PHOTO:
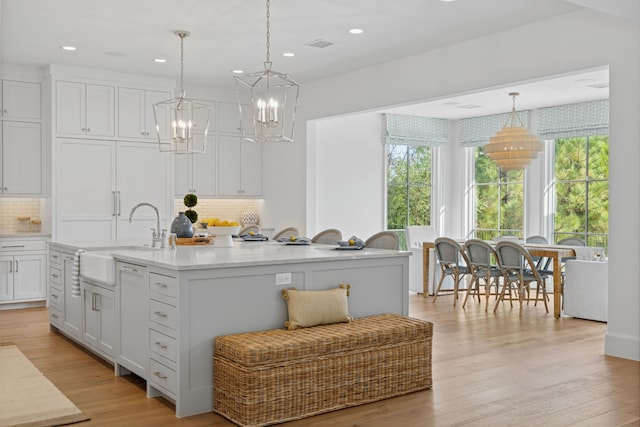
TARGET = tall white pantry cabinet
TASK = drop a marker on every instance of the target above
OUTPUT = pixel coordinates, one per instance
(105, 156)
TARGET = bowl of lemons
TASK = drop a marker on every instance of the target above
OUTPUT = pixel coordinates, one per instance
(222, 229)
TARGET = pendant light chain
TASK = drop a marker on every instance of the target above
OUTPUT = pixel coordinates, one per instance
(182, 35)
(267, 64)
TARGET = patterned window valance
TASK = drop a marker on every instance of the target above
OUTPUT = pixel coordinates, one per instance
(571, 120)
(414, 130)
(476, 131)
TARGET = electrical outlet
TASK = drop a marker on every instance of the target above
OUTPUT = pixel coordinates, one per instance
(283, 279)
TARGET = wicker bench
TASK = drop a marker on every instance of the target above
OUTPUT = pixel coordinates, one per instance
(269, 377)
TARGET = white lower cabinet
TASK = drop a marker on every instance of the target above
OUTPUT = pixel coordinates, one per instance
(72, 315)
(133, 330)
(163, 346)
(22, 271)
(99, 324)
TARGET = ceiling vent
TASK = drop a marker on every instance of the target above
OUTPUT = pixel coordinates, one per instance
(599, 85)
(319, 43)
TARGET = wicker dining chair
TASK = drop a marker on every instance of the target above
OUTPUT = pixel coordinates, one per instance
(453, 262)
(480, 255)
(383, 240)
(286, 232)
(330, 236)
(519, 271)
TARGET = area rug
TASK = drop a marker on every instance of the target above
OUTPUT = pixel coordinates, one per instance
(28, 398)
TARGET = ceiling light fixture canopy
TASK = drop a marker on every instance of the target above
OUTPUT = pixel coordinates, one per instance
(513, 147)
(188, 119)
(267, 101)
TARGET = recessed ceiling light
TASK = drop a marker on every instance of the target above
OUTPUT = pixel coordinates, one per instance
(288, 54)
(470, 106)
(451, 103)
(584, 80)
(237, 71)
(68, 48)
(447, 1)
(160, 60)
(356, 31)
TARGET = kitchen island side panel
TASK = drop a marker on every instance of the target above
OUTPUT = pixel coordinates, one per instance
(224, 301)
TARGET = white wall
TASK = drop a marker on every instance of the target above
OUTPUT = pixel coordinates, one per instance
(560, 45)
(349, 173)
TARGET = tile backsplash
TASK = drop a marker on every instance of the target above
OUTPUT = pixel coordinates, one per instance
(11, 208)
(229, 209)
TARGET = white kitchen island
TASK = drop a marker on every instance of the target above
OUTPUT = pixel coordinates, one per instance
(172, 304)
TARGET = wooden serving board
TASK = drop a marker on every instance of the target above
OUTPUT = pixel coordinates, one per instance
(183, 241)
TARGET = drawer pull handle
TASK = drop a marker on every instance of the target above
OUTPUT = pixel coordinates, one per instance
(54, 296)
(162, 346)
(13, 246)
(160, 314)
(133, 270)
(54, 256)
(55, 316)
(54, 275)
(161, 285)
(160, 375)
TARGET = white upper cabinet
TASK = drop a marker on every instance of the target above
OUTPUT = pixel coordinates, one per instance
(135, 114)
(86, 110)
(99, 182)
(22, 162)
(196, 173)
(239, 167)
(229, 117)
(21, 101)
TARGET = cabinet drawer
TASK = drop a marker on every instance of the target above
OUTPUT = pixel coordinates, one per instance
(163, 314)
(162, 344)
(55, 275)
(55, 317)
(55, 257)
(163, 376)
(22, 245)
(56, 297)
(163, 285)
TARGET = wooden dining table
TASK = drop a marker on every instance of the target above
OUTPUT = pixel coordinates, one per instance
(554, 252)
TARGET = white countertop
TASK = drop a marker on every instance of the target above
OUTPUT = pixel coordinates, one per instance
(244, 254)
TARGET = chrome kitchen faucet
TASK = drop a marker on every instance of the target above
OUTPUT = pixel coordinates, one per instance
(156, 236)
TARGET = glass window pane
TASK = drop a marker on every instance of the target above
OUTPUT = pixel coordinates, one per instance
(397, 206)
(397, 164)
(598, 212)
(419, 205)
(571, 155)
(512, 208)
(485, 169)
(486, 206)
(599, 157)
(419, 165)
(571, 208)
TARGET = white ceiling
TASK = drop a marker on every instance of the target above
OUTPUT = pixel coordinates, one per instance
(126, 35)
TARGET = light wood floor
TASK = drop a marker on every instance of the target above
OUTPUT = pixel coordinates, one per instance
(489, 370)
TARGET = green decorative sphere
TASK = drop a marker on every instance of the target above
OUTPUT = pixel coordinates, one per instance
(192, 215)
(190, 200)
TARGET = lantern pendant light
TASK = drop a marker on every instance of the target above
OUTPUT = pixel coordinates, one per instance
(182, 124)
(513, 147)
(267, 101)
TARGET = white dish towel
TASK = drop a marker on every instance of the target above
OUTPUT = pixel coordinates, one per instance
(75, 274)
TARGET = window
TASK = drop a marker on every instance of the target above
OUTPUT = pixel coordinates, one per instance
(498, 199)
(581, 187)
(408, 187)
